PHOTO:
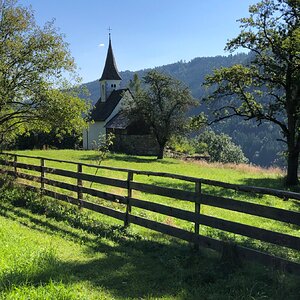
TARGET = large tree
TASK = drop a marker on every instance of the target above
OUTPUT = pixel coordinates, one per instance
(267, 89)
(162, 104)
(33, 64)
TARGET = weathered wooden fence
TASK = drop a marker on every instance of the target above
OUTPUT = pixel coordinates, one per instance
(38, 178)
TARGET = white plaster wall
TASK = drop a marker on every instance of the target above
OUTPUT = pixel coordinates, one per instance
(94, 130)
(108, 88)
(91, 136)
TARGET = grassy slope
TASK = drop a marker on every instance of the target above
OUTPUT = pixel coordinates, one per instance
(232, 174)
(93, 267)
(251, 176)
(41, 258)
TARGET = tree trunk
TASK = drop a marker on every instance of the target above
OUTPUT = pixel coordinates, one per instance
(292, 170)
(160, 154)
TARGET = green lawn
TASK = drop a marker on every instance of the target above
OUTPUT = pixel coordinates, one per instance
(42, 258)
(58, 254)
(254, 176)
(231, 174)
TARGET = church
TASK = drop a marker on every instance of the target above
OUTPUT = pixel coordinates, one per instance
(131, 137)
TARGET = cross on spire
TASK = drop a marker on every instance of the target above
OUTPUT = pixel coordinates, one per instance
(109, 31)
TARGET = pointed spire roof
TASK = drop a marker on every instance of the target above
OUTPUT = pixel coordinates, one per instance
(110, 71)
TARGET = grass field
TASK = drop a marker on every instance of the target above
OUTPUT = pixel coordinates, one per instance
(47, 258)
(42, 257)
(241, 174)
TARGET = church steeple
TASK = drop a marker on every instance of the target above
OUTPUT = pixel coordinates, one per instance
(110, 71)
(110, 79)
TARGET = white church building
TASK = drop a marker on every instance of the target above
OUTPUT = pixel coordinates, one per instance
(109, 104)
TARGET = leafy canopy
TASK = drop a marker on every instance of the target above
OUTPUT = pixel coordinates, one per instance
(268, 88)
(162, 105)
(220, 148)
(34, 62)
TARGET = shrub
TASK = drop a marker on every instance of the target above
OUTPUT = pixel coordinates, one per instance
(220, 148)
(182, 145)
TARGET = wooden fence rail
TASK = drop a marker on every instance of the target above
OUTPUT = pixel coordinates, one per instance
(45, 179)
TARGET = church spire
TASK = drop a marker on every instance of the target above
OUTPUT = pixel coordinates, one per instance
(110, 71)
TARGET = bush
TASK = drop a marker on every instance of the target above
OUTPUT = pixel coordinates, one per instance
(220, 148)
(182, 145)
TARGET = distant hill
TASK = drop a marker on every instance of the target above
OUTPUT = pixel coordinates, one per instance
(192, 73)
(258, 143)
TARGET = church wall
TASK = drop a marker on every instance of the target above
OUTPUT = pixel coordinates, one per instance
(91, 135)
(96, 129)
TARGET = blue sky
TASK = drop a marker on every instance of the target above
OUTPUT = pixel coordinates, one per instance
(145, 33)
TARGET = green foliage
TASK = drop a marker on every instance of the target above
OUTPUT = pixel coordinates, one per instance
(33, 92)
(220, 148)
(267, 89)
(162, 105)
(103, 146)
(135, 85)
(182, 144)
(10, 192)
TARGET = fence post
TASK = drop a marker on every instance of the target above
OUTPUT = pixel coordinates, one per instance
(15, 165)
(129, 195)
(42, 176)
(197, 210)
(79, 186)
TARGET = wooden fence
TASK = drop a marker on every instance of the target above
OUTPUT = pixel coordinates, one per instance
(39, 176)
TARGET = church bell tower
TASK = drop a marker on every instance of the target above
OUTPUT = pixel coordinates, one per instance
(110, 79)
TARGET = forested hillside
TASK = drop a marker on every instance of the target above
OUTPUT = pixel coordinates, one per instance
(258, 143)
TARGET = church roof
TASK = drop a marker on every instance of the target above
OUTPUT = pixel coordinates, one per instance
(133, 126)
(119, 121)
(103, 110)
(110, 71)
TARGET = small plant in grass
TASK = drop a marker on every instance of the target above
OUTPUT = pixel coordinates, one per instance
(102, 147)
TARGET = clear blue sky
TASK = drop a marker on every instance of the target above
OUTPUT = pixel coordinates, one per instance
(145, 33)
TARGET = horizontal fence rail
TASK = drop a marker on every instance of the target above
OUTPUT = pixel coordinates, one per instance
(51, 181)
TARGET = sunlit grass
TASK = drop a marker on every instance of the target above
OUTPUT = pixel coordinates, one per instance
(237, 174)
(43, 258)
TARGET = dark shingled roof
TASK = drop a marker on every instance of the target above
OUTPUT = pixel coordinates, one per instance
(110, 71)
(103, 110)
(135, 126)
(119, 121)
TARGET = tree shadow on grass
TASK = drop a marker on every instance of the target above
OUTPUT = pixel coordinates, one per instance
(272, 183)
(206, 189)
(130, 268)
(134, 267)
(126, 158)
